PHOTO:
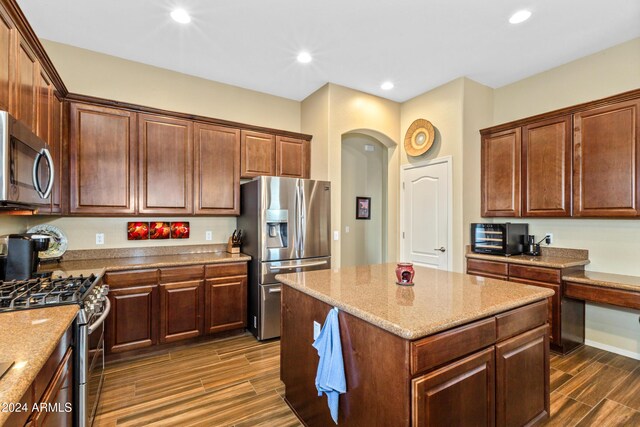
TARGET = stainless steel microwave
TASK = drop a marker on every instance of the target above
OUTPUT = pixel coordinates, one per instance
(27, 167)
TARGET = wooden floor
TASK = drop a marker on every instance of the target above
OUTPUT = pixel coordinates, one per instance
(235, 382)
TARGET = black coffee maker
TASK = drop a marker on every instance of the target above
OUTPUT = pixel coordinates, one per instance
(22, 256)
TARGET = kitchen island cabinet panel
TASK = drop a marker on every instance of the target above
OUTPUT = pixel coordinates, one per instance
(459, 394)
(217, 170)
(102, 156)
(133, 318)
(180, 310)
(60, 393)
(226, 304)
(258, 154)
(546, 168)
(500, 164)
(606, 157)
(522, 381)
(166, 165)
(292, 157)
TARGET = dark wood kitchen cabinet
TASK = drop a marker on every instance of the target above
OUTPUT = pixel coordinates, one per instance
(217, 170)
(59, 393)
(181, 303)
(606, 160)
(500, 173)
(7, 49)
(546, 168)
(166, 165)
(102, 160)
(226, 306)
(57, 125)
(258, 154)
(44, 106)
(26, 77)
(292, 157)
(459, 394)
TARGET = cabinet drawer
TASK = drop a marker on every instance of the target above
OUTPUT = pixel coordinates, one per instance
(541, 274)
(490, 267)
(131, 278)
(181, 274)
(521, 319)
(450, 345)
(51, 365)
(224, 270)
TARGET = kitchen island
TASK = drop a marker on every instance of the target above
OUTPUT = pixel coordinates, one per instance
(454, 349)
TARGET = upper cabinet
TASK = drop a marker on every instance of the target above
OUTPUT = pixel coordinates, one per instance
(166, 165)
(57, 117)
(7, 35)
(546, 168)
(258, 154)
(501, 173)
(102, 160)
(580, 161)
(293, 157)
(606, 160)
(217, 170)
(26, 77)
(44, 106)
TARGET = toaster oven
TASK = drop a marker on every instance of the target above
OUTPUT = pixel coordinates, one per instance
(499, 239)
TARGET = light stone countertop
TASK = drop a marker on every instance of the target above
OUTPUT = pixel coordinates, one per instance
(540, 261)
(605, 280)
(142, 262)
(28, 337)
(438, 301)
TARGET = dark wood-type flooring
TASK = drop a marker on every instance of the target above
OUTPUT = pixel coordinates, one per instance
(236, 382)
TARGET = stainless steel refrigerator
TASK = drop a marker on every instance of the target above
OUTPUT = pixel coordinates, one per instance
(286, 227)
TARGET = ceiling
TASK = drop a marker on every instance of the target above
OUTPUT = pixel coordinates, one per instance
(417, 44)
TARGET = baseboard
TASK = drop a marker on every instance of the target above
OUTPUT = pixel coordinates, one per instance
(613, 349)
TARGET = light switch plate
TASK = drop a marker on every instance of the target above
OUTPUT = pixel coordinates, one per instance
(99, 238)
(336, 235)
(316, 330)
(208, 235)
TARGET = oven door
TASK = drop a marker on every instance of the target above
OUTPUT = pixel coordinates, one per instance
(92, 368)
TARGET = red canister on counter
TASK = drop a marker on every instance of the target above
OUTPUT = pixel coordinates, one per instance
(405, 273)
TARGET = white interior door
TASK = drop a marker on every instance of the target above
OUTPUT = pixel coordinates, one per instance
(426, 214)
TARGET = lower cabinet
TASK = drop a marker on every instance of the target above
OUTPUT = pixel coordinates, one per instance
(133, 318)
(157, 306)
(58, 394)
(180, 310)
(459, 394)
(226, 306)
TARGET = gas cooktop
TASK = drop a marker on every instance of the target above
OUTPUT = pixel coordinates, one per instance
(43, 292)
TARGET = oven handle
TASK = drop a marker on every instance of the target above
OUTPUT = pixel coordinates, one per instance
(105, 313)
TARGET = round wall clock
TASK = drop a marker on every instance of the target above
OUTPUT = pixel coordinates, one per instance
(419, 137)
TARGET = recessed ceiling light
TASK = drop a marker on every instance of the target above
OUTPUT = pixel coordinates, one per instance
(520, 16)
(304, 57)
(386, 86)
(181, 16)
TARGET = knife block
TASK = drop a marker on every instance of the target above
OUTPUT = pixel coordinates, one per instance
(232, 249)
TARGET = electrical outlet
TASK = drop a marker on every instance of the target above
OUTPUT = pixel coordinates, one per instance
(316, 330)
(549, 238)
(208, 235)
(99, 238)
(346, 229)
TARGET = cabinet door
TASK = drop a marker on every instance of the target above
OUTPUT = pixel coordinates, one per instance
(166, 165)
(546, 168)
(44, 105)
(292, 157)
(258, 154)
(225, 304)
(606, 158)
(217, 170)
(55, 146)
(522, 379)
(459, 394)
(180, 310)
(102, 156)
(59, 393)
(554, 306)
(26, 76)
(501, 174)
(7, 50)
(133, 321)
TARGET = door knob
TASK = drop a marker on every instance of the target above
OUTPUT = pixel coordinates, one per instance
(441, 249)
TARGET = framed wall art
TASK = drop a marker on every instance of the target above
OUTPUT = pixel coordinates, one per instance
(363, 207)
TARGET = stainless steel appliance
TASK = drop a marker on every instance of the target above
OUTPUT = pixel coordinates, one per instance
(22, 258)
(90, 294)
(499, 239)
(27, 175)
(286, 224)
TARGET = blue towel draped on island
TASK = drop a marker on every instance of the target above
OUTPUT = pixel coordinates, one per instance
(330, 378)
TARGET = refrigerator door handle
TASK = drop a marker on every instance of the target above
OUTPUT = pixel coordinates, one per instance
(297, 222)
(303, 219)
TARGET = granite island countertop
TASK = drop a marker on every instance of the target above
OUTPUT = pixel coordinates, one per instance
(142, 262)
(438, 301)
(28, 338)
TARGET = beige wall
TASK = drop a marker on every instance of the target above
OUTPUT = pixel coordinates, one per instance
(340, 111)
(363, 174)
(12, 224)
